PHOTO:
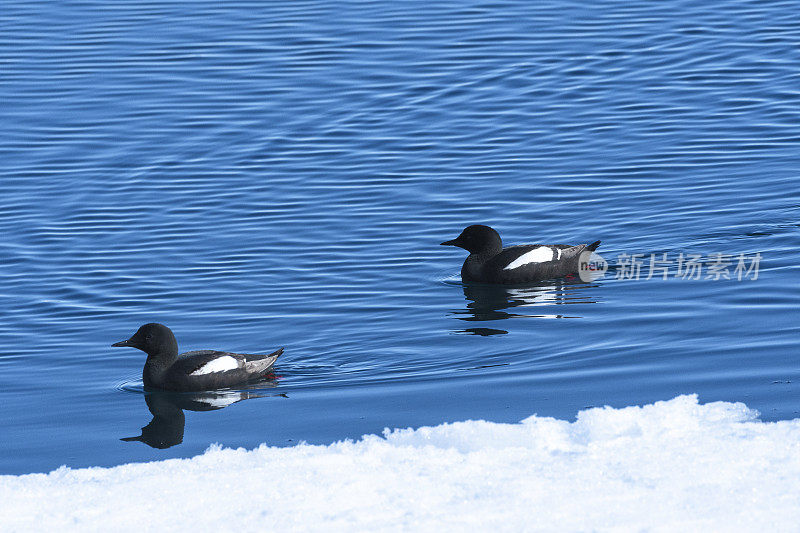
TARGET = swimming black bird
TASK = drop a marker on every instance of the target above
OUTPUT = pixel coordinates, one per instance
(489, 262)
(197, 370)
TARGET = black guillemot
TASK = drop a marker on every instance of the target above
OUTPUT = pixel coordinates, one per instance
(489, 262)
(197, 370)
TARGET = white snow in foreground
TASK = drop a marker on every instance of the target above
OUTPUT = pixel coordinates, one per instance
(671, 466)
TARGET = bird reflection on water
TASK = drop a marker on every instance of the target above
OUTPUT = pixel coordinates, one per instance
(496, 302)
(166, 428)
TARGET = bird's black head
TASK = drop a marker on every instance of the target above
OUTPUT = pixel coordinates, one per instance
(478, 239)
(153, 339)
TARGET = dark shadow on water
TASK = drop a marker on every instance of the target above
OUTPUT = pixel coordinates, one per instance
(166, 428)
(484, 332)
(500, 302)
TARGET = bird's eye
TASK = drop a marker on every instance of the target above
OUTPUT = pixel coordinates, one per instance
(148, 337)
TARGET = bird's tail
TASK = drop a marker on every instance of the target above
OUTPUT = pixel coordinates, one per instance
(276, 353)
(261, 365)
(260, 357)
(592, 247)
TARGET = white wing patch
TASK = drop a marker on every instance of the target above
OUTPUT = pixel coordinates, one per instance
(220, 364)
(537, 255)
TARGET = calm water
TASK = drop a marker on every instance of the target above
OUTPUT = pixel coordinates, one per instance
(260, 174)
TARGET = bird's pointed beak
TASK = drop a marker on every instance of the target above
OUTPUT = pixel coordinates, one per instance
(450, 243)
(132, 439)
(126, 342)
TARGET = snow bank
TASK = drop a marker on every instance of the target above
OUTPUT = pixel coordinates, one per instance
(670, 466)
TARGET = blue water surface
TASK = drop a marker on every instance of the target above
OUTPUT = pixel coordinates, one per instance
(264, 174)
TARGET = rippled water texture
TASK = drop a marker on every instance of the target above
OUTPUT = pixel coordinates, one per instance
(264, 174)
